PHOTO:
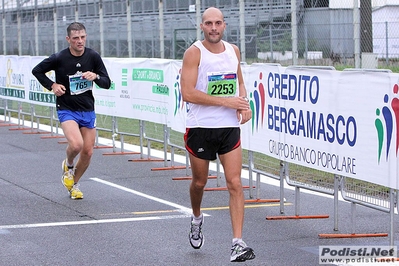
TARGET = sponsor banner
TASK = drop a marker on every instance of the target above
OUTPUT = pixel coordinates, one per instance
(177, 116)
(151, 82)
(36, 93)
(14, 77)
(117, 101)
(341, 122)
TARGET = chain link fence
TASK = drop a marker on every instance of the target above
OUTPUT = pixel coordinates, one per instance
(325, 33)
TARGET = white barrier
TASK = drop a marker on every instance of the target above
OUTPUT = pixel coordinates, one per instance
(344, 123)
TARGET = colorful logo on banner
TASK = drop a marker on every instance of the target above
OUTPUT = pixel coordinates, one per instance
(13, 84)
(257, 103)
(124, 77)
(386, 123)
(179, 104)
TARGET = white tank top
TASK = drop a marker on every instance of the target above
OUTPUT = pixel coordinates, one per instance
(217, 75)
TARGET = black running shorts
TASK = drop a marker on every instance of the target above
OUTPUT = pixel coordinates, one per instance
(205, 143)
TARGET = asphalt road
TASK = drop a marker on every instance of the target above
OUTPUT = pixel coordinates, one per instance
(133, 215)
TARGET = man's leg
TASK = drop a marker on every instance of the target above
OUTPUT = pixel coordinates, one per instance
(199, 169)
(232, 163)
(200, 172)
(88, 136)
(74, 137)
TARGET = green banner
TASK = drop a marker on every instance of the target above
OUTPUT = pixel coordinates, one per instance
(42, 97)
(15, 93)
(160, 89)
(147, 74)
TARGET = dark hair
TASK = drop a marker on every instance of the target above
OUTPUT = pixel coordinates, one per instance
(75, 26)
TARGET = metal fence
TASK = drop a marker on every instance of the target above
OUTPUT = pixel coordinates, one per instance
(301, 32)
(148, 136)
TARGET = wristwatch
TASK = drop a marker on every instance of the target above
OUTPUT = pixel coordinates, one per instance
(98, 77)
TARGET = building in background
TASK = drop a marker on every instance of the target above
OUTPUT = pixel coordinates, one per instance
(386, 31)
(123, 28)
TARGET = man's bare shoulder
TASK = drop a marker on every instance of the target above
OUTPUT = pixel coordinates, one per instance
(236, 50)
(192, 56)
(235, 47)
(192, 51)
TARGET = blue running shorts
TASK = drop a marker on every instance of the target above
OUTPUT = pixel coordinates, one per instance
(83, 119)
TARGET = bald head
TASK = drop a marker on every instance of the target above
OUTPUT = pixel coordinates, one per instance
(212, 12)
(213, 25)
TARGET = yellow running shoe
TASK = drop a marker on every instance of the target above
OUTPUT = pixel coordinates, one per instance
(75, 192)
(67, 176)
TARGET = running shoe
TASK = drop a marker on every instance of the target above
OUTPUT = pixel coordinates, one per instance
(241, 252)
(75, 192)
(67, 176)
(196, 238)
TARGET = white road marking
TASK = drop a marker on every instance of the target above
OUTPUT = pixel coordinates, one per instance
(17, 226)
(186, 212)
(174, 205)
